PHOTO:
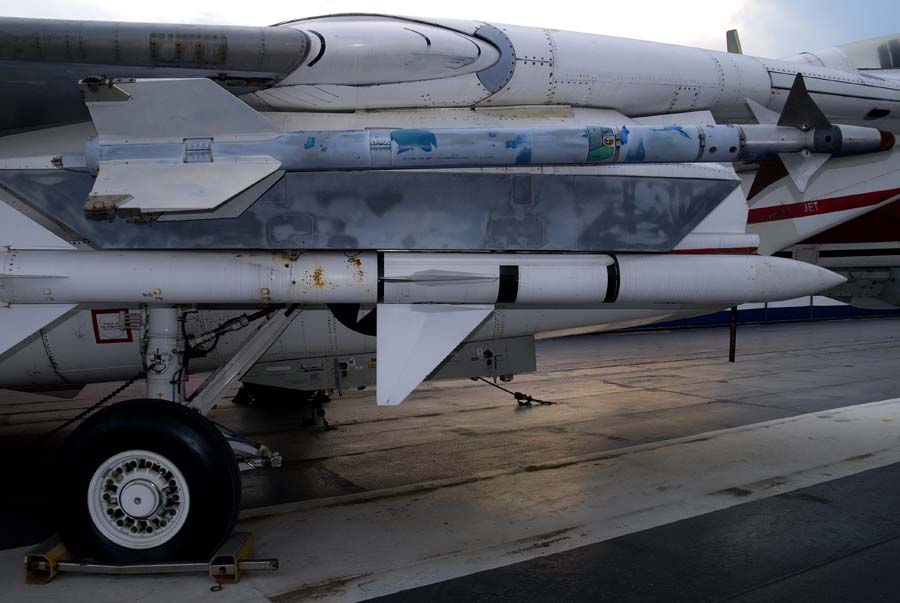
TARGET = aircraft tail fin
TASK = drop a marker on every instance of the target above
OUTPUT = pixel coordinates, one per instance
(844, 188)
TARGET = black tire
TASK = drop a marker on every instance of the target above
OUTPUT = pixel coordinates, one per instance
(191, 442)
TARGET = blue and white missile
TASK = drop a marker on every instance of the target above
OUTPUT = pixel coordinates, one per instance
(189, 145)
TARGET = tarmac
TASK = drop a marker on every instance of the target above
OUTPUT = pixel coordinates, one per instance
(661, 472)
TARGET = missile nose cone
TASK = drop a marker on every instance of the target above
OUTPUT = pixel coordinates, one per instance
(832, 279)
(792, 279)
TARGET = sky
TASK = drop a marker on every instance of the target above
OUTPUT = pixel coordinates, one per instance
(771, 28)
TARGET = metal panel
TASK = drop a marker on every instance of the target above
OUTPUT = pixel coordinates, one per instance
(423, 210)
(497, 75)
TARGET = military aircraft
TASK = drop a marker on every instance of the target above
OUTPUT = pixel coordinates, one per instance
(357, 199)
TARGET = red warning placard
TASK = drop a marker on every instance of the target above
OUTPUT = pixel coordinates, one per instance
(109, 326)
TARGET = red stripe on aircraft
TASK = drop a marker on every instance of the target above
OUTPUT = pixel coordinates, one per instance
(718, 250)
(819, 206)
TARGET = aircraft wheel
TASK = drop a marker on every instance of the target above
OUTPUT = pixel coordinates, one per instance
(145, 481)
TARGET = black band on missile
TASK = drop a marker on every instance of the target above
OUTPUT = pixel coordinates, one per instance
(612, 281)
(508, 289)
(380, 261)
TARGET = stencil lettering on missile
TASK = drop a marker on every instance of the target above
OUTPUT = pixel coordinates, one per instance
(108, 326)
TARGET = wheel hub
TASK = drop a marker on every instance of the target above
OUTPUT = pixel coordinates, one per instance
(138, 499)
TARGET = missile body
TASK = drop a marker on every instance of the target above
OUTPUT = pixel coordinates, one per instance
(539, 280)
(480, 147)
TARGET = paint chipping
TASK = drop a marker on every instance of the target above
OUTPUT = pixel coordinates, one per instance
(410, 140)
(675, 128)
(515, 142)
(357, 264)
(636, 154)
(318, 277)
(524, 156)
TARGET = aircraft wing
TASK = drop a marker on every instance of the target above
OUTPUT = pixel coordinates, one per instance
(41, 61)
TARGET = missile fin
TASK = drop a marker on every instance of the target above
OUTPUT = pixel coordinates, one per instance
(762, 114)
(800, 110)
(769, 172)
(231, 209)
(802, 166)
(170, 110)
(19, 321)
(151, 187)
(413, 339)
(18, 231)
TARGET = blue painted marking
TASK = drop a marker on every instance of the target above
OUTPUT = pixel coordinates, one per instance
(675, 128)
(310, 142)
(515, 142)
(636, 154)
(410, 140)
(524, 155)
(623, 134)
(492, 134)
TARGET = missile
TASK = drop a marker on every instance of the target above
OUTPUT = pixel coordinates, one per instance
(538, 280)
(481, 147)
(189, 145)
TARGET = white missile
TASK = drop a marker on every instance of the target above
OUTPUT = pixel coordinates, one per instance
(156, 278)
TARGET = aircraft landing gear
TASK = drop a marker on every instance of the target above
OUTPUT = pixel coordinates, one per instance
(147, 480)
(153, 480)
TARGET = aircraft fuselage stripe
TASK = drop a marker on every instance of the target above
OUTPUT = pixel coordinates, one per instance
(819, 206)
